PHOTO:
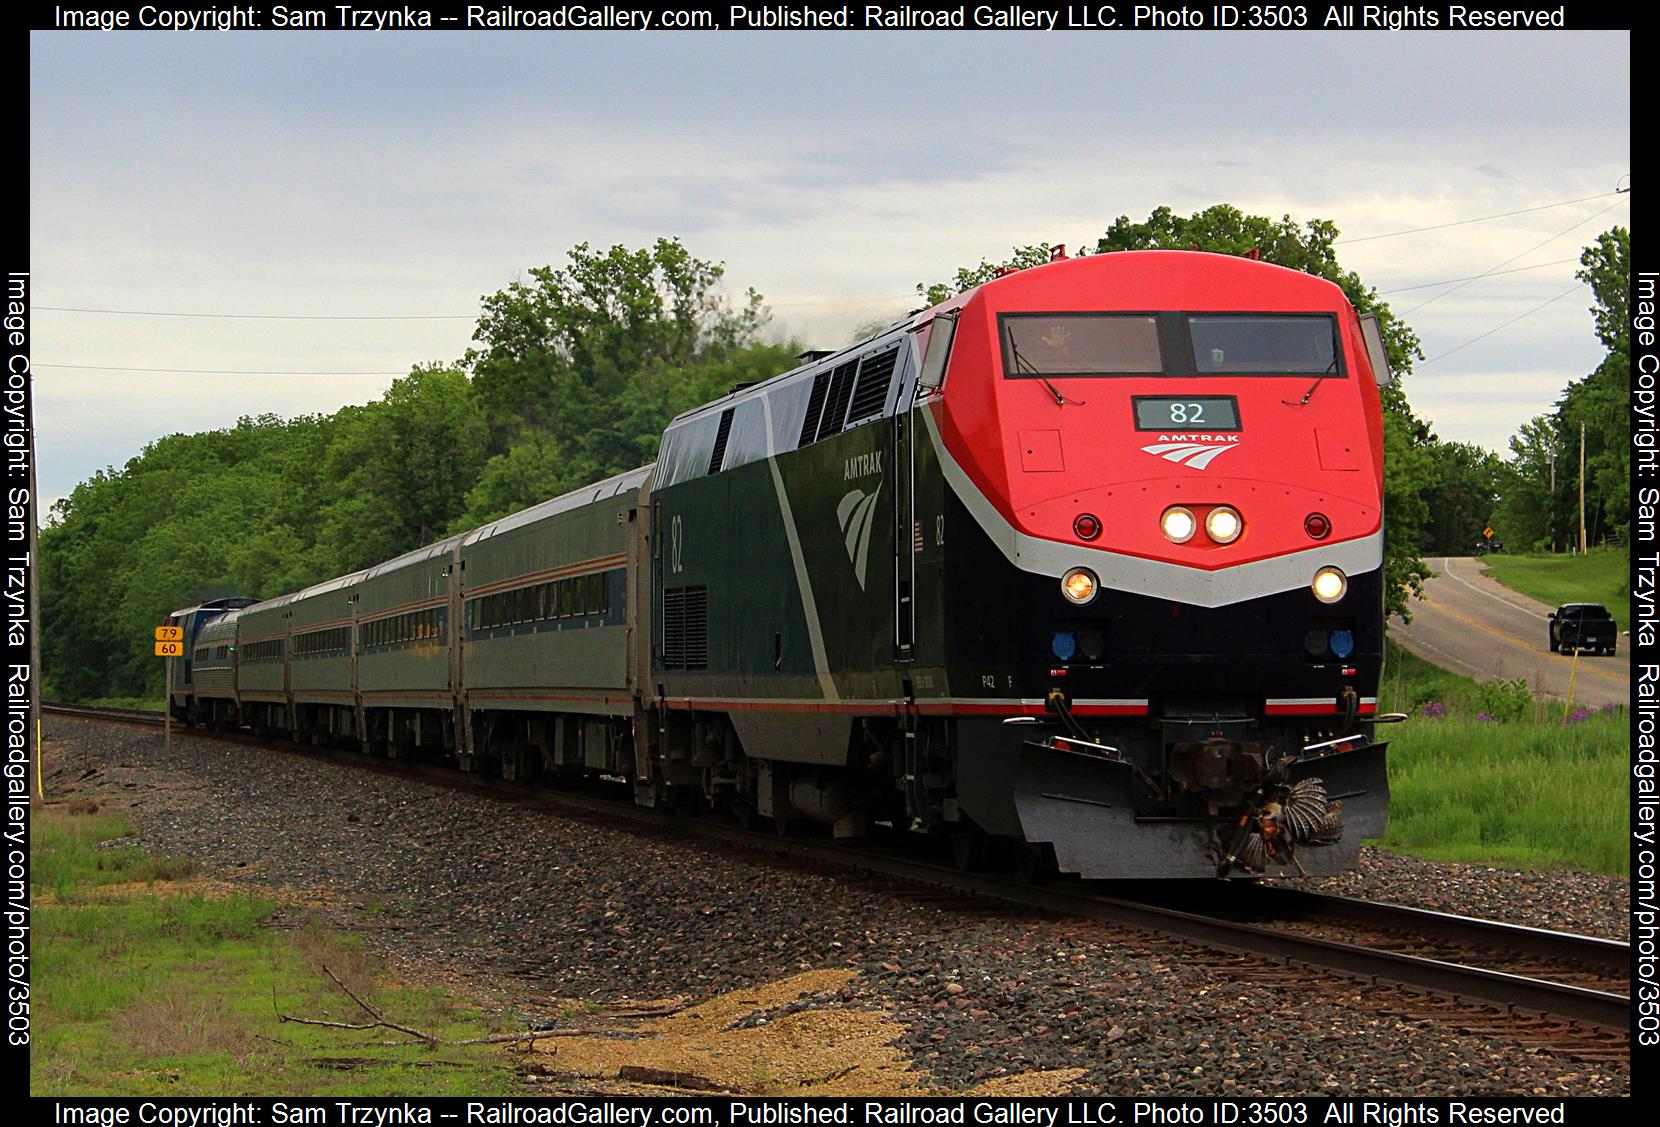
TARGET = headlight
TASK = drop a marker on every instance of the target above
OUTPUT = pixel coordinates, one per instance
(1223, 524)
(1079, 585)
(1178, 525)
(1329, 584)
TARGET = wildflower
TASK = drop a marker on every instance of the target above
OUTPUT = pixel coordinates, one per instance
(1483, 718)
(1578, 715)
(1432, 709)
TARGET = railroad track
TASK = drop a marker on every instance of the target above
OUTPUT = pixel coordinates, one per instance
(1553, 990)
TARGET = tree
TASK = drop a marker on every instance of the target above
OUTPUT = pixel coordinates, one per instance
(403, 467)
(1461, 497)
(192, 517)
(556, 353)
(541, 464)
(1605, 266)
(1020, 258)
(1597, 406)
(1527, 490)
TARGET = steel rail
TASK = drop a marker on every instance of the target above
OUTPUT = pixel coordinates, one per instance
(1413, 972)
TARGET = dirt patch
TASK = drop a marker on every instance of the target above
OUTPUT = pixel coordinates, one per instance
(170, 1020)
(162, 888)
(776, 1039)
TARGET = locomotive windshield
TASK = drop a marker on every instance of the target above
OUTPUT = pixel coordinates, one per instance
(1260, 344)
(1080, 344)
(1037, 346)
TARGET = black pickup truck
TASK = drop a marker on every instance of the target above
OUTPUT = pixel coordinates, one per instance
(1582, 626)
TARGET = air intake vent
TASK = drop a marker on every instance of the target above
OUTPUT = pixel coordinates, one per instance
(686, 628)
(875, 377)
(835, 405)
(815, 406)
(719, 454)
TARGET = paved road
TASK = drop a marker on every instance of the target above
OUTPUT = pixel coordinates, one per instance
(1478, 627)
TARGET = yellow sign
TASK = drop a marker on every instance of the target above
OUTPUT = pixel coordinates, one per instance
(169, 649)
(1487, 532)
(170, 633)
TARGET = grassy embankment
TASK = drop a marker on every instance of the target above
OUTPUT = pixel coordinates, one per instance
(147, 704)
(1601, 577)
(150, 981)
(1536, 790)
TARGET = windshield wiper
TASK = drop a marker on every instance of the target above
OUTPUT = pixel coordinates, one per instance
(1318, 380)
(1024, 365)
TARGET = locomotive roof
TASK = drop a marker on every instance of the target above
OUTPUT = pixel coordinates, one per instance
(759, 421)
(575, 499)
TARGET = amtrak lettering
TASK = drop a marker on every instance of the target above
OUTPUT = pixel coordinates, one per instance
(863, 465)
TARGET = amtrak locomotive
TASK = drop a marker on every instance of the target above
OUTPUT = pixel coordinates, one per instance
(1084, 563)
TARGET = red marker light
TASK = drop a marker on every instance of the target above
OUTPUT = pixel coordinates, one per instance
(1317, 526)
(1087, 526)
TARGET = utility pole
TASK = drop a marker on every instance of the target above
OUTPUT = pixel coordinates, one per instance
(1551, 518)
(1583, 549)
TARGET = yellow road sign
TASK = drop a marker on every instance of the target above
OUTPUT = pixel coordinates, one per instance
(1487, 532)
(170, 633)
(169, 649)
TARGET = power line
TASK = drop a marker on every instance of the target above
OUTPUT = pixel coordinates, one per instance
(1511, 259)
(1571, 289)
(1473, 277)
(213, 371)
(1478, 219)
(266, 316)
(866, 299)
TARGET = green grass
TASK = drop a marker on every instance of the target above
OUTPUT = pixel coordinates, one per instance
(1601, 577)
(146, 987)
(1522, 794)
(1528, 793)
(150, 704)
(1409, 682)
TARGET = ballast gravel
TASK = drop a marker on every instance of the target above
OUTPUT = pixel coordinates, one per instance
(538, 905)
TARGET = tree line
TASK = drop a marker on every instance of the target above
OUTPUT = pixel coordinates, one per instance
(572, 374)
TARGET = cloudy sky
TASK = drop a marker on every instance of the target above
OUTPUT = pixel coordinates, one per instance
(362, 176)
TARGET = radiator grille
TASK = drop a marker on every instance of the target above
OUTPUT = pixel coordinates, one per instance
(875, 376)
(815, 407)
(725, 432)
(686, 628)
(835, 407)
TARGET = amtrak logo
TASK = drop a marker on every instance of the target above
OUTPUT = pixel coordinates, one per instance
(857, 512)
(1189, 453)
